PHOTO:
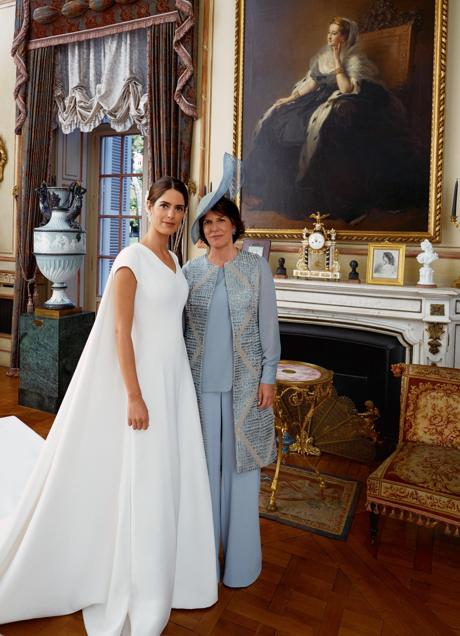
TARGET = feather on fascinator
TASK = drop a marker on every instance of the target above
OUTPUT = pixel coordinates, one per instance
(230, 184)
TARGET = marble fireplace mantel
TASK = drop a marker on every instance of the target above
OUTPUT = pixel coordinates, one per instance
(425, 320)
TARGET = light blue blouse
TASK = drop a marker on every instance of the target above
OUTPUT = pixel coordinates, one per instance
(218, 345)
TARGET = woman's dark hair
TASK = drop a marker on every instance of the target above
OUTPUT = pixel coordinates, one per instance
(390, 257)
(167, 183)
(229, 209)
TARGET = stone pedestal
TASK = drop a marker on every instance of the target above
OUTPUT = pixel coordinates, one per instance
(49, 352)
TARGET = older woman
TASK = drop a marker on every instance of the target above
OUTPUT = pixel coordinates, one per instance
(232, 338)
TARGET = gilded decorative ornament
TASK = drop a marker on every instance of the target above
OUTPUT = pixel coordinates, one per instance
(437, 310)
(191, 184)
(435, 331)
(3, 158)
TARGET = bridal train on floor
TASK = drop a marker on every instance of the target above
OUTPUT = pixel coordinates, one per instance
(100, 517)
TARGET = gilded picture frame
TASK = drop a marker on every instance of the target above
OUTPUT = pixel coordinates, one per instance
(385, 263)
(264, 73)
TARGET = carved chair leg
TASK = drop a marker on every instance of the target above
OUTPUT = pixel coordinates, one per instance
(373, 524)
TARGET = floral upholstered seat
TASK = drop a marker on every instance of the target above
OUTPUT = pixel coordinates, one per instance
(420, 481)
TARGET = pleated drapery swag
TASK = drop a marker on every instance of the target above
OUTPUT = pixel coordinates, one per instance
(104, 77)
(170, 130)
(35, 169)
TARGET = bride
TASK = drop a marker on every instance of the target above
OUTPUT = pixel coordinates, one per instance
(116, 515)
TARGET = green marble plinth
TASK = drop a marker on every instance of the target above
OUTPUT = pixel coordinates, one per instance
(49, 352)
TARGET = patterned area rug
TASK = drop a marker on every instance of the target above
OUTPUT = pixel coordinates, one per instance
(300, 503)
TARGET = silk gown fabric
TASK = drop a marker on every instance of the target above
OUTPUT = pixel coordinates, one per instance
(112, 520)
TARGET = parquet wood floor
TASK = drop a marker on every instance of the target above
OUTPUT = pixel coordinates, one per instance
(406, 585)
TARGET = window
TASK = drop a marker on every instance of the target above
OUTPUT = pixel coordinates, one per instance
(121, 168)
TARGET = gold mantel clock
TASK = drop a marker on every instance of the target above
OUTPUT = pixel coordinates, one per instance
(318, 253)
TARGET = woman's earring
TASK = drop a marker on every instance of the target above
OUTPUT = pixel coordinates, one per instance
(234, 231)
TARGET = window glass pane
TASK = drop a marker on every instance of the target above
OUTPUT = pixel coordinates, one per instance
(109, 230)
(110, 195)
(120, 197)
(105, 265)
(131, 200)
(111, 155)
(130, 231)
(133, 154)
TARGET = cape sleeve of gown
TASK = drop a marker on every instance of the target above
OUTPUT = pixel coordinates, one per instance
(57, 542)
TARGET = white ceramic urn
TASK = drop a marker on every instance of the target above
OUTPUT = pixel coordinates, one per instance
(60, 244)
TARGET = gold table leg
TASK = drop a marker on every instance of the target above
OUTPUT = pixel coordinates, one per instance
(272, 507)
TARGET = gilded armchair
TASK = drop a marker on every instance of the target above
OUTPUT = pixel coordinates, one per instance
(420, 481)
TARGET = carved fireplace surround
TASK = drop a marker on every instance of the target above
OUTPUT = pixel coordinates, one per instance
(426, 321)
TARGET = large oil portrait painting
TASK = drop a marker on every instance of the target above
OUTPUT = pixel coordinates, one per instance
(339, 109)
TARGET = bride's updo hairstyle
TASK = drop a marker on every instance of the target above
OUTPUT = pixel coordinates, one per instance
(167, 183)
(344, 26)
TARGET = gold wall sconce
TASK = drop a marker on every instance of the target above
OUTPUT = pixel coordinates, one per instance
(3, 158)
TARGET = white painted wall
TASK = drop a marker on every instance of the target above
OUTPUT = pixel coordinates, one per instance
(7, 115)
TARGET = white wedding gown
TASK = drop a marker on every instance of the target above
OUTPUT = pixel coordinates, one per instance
(115, 521)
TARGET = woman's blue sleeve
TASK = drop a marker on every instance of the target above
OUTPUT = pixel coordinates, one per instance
(268, 325)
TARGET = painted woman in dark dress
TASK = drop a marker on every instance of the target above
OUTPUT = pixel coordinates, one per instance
(340, 143)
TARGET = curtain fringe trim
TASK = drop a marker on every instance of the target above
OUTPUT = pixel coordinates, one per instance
(100, 32)
(417, 518)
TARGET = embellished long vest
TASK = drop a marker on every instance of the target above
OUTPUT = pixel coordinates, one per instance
(254, 430)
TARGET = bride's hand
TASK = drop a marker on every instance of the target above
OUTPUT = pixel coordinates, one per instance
(138, 415)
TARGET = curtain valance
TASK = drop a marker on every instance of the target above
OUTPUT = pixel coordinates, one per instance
(39, 25)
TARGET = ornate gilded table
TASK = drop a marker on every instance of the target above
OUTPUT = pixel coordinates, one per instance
(310, 418)
(300, 388)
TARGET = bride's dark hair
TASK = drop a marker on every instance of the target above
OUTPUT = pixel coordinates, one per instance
(167, 183)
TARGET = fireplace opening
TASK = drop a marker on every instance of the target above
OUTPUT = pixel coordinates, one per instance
(6, 315)
(361, 361)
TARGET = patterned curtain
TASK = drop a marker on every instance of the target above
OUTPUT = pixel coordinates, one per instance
(170, 135)
(35, 169)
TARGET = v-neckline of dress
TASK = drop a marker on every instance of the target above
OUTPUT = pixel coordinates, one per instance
(173, 271)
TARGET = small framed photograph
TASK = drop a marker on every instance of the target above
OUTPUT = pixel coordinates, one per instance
(261, 247)
(385, 263)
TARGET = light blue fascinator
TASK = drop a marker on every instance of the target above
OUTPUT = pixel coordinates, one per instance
(230, 185)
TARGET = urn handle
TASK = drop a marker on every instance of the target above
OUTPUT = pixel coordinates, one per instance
(77, 202)
(43, 202)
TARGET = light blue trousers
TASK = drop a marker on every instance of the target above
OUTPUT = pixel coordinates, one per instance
(235, 496)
